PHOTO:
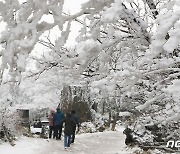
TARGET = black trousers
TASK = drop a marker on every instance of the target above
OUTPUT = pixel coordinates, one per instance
(58, 131)
(51, 131)
(73, 135)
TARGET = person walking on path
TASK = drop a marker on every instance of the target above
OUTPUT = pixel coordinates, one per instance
(58, 118)
(76, 119)
(68, 129)
(51, 124)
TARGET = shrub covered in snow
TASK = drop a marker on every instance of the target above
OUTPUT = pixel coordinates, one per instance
(98, 123)
(87, 127)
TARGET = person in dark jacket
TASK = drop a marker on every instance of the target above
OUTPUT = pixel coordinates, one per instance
(68, 129)
(35, 124)
(77, 125)
(58, 123)
(39, 124)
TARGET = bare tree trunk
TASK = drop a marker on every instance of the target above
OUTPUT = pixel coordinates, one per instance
(103, 107)
(114, 121)
(109, 120)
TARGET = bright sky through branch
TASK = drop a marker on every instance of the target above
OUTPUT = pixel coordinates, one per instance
(73, 7)
(70, 7)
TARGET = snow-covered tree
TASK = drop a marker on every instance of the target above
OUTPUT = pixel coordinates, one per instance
(131, 46)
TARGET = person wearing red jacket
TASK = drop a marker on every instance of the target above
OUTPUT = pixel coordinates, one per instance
(51, 124)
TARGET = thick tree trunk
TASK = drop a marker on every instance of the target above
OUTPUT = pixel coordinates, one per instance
(73, 98)
(8, 135)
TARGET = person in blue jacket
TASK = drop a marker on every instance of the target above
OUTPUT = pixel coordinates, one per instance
(58, 123)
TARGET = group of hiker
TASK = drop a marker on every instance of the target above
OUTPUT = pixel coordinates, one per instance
(58, 121)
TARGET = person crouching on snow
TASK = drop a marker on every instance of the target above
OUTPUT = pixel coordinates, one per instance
(69, 124)
(129, 137)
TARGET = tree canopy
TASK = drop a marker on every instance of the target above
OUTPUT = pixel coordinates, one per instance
(126, 49)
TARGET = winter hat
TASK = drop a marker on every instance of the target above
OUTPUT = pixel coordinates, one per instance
(52, 111)
(57, 108)
(73, 111)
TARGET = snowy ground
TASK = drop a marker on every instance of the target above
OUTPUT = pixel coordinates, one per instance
(93, 143)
